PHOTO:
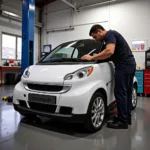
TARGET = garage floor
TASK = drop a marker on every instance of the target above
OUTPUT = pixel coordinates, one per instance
(17, 133)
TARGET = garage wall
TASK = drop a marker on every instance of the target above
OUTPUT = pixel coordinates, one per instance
(131, 18)
(61, 16)
(133, 21)
(13, 27)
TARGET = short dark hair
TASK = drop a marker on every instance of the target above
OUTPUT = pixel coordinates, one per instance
(95, 28)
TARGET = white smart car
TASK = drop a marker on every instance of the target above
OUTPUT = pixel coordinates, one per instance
(65, 87)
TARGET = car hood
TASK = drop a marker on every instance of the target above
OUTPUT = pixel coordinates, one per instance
(51, 73)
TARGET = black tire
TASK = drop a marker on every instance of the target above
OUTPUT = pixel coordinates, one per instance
(134, 104)
(88, 122)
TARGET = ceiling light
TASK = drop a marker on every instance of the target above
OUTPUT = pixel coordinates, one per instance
(7, 13)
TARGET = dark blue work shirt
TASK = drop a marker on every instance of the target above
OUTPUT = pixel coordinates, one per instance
(123, 53)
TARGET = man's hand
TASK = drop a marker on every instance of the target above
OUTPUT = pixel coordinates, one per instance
(108, 52)
(87, 57)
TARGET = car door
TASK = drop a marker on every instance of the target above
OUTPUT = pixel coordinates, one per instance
(107, 71)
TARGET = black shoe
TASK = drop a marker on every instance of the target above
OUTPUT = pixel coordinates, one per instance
(117, 125)
(115, 119)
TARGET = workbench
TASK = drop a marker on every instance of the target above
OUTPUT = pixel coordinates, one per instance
(8, 69)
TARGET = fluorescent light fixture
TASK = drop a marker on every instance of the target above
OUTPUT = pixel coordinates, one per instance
(7, 13)
(15, 17)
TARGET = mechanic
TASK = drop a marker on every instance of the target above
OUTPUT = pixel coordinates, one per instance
(120, 53)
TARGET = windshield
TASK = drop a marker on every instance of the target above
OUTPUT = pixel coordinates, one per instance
(73, 51)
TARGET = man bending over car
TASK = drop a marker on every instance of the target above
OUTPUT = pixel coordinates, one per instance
(120, 53)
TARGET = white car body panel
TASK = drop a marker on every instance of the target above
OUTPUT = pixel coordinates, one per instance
(82, 90)
(46, 80)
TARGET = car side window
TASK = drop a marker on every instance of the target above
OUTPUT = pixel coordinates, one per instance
(90, 47)
(94, 47)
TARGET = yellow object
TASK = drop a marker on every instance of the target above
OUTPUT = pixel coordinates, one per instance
(4, 98)
(133, 49)
(137, 68)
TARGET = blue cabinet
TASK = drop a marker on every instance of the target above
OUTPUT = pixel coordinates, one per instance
(140, 77)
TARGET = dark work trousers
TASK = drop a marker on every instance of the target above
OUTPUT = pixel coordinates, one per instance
(124, 75)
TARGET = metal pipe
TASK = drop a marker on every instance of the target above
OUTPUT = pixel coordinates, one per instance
(60, 29)
(68, 3)
(80, 7)
(57, 11)
(92, 5)
(83, 24)
(72, 27)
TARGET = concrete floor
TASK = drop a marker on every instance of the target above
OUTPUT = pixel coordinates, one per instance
(16, 133)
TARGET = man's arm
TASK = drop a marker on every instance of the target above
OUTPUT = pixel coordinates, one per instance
(110, 49)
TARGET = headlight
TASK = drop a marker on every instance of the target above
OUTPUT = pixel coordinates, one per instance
(26, 73)
(79, 74)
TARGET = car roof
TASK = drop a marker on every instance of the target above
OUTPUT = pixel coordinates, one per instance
(79, 40)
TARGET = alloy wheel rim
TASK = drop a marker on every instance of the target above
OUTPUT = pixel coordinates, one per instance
(98, 111)
(134, 97)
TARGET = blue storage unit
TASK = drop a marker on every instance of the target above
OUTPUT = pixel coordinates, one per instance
(140, 77)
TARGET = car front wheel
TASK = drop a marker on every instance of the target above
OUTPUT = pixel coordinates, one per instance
(96, 112)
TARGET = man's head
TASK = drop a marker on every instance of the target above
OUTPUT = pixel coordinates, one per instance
(97, 32)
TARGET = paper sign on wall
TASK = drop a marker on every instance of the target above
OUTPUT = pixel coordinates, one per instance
(138, 45)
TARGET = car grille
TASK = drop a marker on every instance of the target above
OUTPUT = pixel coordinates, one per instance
(48, 88)
(39, 107)
(43, 107)
(46, 108)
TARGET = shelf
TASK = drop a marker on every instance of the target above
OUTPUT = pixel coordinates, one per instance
(138, 51)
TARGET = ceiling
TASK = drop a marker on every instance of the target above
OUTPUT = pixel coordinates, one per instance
(41, 3)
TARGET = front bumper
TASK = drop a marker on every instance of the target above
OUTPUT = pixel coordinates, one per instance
(69, 118)
(77, 98)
